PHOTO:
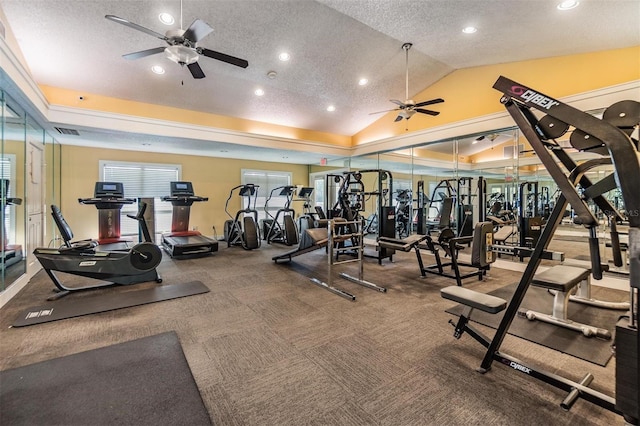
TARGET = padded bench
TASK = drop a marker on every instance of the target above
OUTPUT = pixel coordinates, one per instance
(472, 300)
(562, 281)
(406, 244)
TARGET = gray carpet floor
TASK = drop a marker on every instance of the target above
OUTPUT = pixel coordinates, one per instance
(267, 347)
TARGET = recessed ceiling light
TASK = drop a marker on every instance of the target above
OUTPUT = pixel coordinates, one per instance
(157, 69)
(331, 108)
(259, 92)
(284, 56)
(568, 4)
(166, 18)
(363, 81)
(469, 30)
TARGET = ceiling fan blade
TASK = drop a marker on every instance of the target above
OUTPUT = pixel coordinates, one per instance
(386, 110)
(135, 26)
(143, 53)
(398, 118)
(223, 57)
(397, 102)
(196, 71)
(197, 31)
(427, 111)
(431, 102)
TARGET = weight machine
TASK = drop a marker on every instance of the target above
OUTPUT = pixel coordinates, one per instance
(609, 136)
(334, 237)
(352, 195)
(530, 222)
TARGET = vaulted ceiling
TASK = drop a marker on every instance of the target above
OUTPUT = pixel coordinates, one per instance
(332, 45)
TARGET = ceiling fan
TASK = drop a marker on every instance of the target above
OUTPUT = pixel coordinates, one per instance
(182, 45)
(408, 108)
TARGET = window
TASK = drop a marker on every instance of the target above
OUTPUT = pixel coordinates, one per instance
(143, 180)
(267, 180)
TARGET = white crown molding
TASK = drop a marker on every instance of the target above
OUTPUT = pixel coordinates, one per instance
(134, 124)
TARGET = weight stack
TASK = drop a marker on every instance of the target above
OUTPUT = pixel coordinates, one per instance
(627, 396)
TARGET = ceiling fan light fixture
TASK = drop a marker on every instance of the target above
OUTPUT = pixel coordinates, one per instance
(568, 4)
(406, 113)
(166, 18)
(181, 54)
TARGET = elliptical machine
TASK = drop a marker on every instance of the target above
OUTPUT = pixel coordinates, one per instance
(242, 230)
(286, 232)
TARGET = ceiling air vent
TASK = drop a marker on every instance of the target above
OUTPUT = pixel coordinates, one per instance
(64, 131)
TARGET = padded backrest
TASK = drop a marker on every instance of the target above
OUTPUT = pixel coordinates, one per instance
(320, 213)
(445, 213)
(63, 226)
(496, 208)
(481, 254)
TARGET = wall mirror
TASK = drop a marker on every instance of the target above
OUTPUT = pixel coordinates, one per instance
(12, 187)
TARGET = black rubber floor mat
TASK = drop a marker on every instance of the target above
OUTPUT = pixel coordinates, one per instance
(70, 306)
(592, 349)
(145, 381)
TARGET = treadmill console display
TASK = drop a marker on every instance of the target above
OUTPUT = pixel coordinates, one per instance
(181, 189)
(108, 190)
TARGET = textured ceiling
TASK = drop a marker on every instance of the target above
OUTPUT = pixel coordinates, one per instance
(333, 43)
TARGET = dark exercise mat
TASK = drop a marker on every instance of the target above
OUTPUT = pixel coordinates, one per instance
(592, 349)
(70, 306)
(142, 382)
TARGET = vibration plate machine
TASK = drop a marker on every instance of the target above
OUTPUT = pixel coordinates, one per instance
(181, 242)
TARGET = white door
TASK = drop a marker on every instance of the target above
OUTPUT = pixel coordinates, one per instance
(35, 201)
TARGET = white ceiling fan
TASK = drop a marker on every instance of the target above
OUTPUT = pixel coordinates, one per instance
(182, 45)
(409, 107)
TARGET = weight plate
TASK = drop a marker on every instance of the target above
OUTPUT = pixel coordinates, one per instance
(623, 114)
(552, 127)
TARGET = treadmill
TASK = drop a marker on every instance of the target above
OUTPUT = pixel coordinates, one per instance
(108, 198)
(181, 242)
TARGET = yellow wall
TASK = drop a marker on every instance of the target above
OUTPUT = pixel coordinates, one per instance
(469, 92)
(67, 97)
(211, 177)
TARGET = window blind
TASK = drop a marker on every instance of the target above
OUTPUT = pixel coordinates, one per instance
(143, 180)
(267, 180)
